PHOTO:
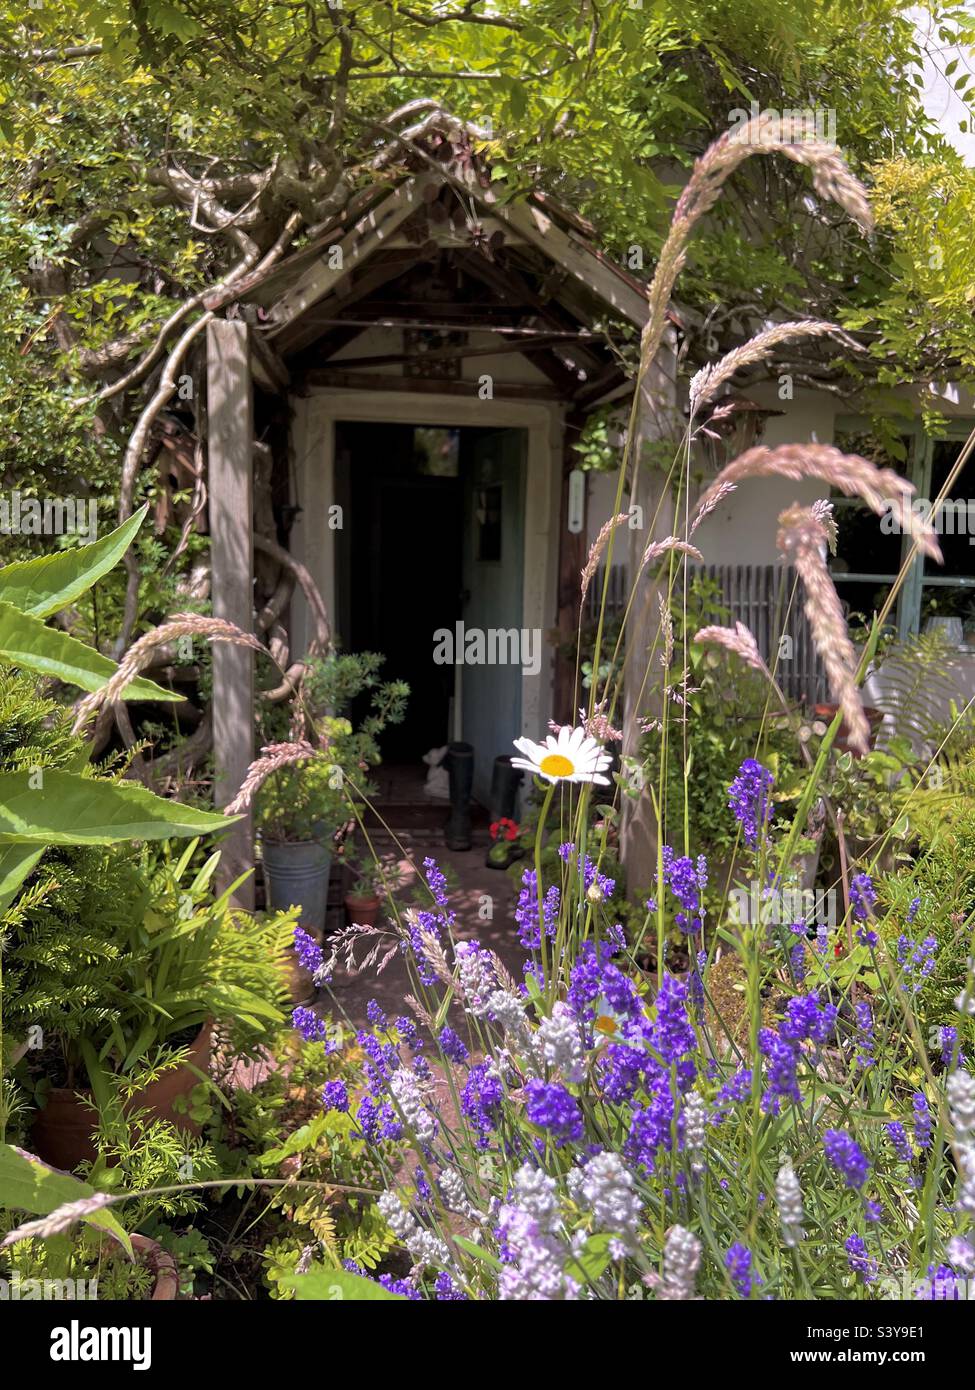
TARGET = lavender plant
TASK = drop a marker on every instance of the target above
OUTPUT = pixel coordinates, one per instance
(588, 1132)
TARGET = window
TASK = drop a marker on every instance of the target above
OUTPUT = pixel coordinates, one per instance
(869, 554)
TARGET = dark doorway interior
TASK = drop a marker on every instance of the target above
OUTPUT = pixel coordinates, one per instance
(399, 560)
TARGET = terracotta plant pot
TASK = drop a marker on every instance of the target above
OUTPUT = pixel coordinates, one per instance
(827, 713)
(63, 1132)
(362, 908)
(165, 1289)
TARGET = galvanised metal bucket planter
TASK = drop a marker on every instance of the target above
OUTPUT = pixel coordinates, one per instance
(296, 875)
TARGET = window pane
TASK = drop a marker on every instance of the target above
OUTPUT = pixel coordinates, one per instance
(956, 521)
(861, 600)
(862, 547)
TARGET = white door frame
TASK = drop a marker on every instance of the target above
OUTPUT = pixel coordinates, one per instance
(313, 539)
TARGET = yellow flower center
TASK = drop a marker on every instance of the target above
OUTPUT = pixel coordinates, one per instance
(554, 765)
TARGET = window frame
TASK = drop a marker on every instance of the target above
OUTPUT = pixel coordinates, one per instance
(918, 470)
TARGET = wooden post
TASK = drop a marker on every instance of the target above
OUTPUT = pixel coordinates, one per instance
(230, 445)
(572, 558)
(657, 418)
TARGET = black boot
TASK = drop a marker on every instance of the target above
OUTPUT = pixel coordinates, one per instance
(459, 762)
(505, 781)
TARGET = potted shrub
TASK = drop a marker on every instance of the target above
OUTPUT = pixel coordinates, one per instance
(372, 879)
(298, 810)
(302, 806)
(122, 964)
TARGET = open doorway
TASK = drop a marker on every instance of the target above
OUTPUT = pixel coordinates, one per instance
(433, 544)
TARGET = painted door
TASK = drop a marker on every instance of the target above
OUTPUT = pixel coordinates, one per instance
(493, 470)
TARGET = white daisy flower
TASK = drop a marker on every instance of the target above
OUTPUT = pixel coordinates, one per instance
(572, 756)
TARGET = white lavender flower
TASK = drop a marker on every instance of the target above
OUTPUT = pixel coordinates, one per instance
(509, 1011)
(534, 1254)
(605, 1187)
(961, 1254)
(788, 1195)
(695, 1124)
(965, 1198)
(451, 1187)
(560, 1039)
(961, 1102)
(478, 978)
(965, 1002)
(405, 1089)
(424, 1246)
(682, 1258)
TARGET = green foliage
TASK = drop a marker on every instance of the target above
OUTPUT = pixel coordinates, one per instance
(313, 799)
(133, 953)
(28, 1185)
(728, 720)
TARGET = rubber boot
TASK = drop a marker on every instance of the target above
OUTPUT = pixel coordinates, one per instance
(505, 781)
(459, 761)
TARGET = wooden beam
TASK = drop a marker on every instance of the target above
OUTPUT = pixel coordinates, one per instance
(307, 327)
(572, 558)
(424, 386)
(358, 244)
(268, 369)
(230, 441)
(596, 272)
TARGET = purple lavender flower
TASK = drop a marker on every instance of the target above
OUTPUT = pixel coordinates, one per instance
(527, 915)
(737, 1088)
(859, 1261)
(308, 951)
(912, 910)
(335, 1096)
(916, 960)
(309, 1025)
(738, 1263)
(749, 800)
(797, 953)
(846, 1156)
(865, 1038)
(781, 1061)
(452, 1046)
(949, 1044)
(942, 1284)
(863, 896)
(401, 1287)
(481, 1100)
(446, 1290)
(899, 1141)
(552, 1108)
(436, 881)
(686, 882)
(922, 1120)
(375, 1015)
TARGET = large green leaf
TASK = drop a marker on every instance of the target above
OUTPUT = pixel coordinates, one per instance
(66, 809)
(337, 1286)
(28, 1184)
(26, 641)
(51, 582)
(16, 862)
